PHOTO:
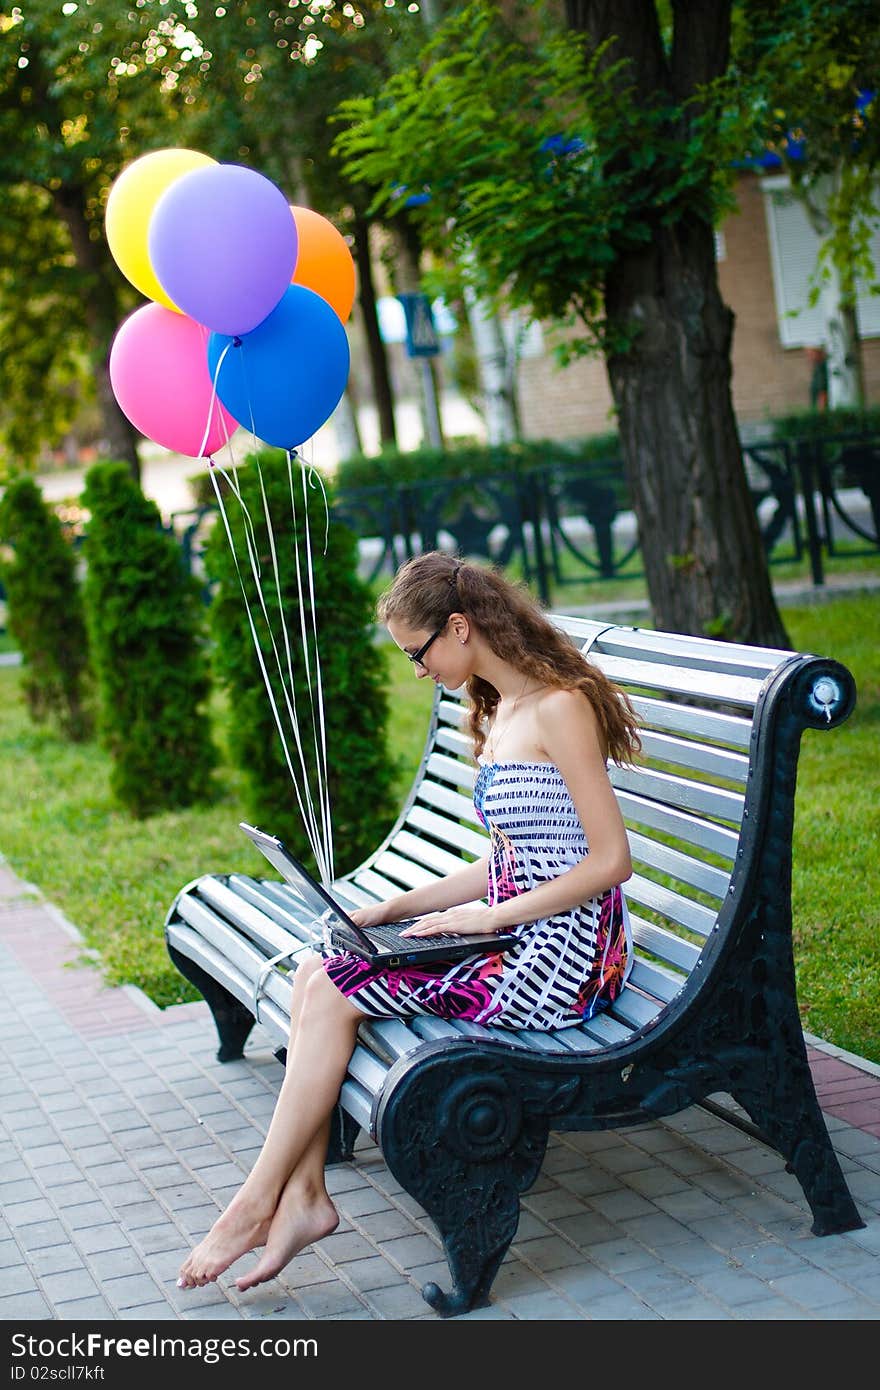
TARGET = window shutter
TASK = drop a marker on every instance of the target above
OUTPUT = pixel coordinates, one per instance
(794, 253)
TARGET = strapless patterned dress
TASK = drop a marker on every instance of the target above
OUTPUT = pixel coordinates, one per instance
(562, 969)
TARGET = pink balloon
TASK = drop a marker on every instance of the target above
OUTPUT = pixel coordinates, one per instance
(160, 378)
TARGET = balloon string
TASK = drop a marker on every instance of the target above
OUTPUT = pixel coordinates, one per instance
(316, 693)
(317, 841)
(307, 814)
(213, 401)
(315, 480)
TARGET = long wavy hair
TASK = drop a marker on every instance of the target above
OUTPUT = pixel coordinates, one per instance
(431, 587)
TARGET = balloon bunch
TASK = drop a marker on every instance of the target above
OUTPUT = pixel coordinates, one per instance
(249, 299)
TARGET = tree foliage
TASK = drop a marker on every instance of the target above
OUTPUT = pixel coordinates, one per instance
(146, 627)
(84, 89)
(536, 169)
(45, 612)
(804, 81)
(74, 108)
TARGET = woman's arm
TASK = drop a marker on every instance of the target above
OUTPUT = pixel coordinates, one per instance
(569, 737)
(464, 886)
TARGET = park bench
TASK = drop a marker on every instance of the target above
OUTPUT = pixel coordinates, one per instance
(709, 1016)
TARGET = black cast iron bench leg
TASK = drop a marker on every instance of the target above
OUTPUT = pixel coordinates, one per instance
(233, 1021)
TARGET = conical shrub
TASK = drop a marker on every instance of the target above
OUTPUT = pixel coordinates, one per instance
(147, 631)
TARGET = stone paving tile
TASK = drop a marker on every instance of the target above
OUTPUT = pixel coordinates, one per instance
(582, 1284)
(812, 1289)
(83, 1310)
(22, 1306)
(622, 1307)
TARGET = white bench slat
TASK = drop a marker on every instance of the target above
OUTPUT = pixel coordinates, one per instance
(706, 724)
(700, 653)
(278, 901)
(194, 946)
(432, 1029)
(665, 945)
(365, 1068)
(252, 922)
(678, 824)
(700, 757)
(403, 871)
(416, 847)
(395, 1036)
(276, 1022)
(357, 1103)
(670, 790)
(376, 884)
(351, 895)
(451, 711)
(633, 1009)
(683, 867)
(455, 741)
(680, 680)
(557, 1041)
(238, 950)
(250, 919)
(449, 832)
(445, 799)
(674, 906)
(654, 979)
(450, 770)
(605, 1030)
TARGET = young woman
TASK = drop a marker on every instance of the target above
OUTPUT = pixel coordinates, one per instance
(544, 721)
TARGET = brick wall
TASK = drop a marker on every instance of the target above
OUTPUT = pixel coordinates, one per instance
(767, 380)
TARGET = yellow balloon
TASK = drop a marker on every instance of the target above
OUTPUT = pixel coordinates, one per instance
(133, 196)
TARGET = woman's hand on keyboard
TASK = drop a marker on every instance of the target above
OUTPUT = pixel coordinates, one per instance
(376, 915)
(471, 919)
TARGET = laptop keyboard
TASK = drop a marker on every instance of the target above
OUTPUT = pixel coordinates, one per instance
(390, 936)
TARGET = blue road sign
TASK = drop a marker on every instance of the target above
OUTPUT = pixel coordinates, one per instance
(421, 335)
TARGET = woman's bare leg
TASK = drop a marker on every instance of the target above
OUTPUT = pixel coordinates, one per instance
(323, 1029)
(305, 1213)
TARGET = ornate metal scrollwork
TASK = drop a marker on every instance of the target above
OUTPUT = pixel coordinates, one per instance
(479, 1118)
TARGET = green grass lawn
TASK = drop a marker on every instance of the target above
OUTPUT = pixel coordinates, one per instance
(115, 878)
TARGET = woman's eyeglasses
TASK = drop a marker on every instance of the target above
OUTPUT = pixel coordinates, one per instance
(418, 658)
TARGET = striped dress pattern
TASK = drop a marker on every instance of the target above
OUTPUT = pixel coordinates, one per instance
(561, 970)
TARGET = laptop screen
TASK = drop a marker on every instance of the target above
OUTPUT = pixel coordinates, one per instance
(316, 898)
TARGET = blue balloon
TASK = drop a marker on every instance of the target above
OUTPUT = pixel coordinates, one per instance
(288, 374)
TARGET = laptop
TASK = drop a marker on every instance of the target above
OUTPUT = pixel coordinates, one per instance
(382, 946)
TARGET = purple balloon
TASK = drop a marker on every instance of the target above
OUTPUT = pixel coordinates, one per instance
(223, 243)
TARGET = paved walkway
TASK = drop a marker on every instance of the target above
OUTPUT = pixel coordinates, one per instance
(121, 1136)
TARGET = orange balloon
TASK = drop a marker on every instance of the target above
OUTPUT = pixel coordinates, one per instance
(323, 261)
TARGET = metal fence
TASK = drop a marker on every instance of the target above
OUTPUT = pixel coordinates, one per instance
(573, 524)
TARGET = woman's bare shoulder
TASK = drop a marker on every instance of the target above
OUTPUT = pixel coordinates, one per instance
(565, 714)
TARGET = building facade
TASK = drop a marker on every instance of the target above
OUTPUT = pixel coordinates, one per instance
(766, 257)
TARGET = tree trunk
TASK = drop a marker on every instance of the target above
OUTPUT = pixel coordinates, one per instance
(422, 370)
(375, 347)
(705, 565)
(101, 310)
(345, 425)
(843, 349)
(841, 343)
(704, 561)
(495, 370)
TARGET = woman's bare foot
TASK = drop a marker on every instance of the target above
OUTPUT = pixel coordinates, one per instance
(242, 1227)
(300, 1220)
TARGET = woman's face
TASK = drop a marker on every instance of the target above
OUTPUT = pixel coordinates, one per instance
(440, 652)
